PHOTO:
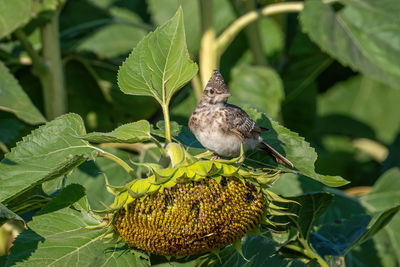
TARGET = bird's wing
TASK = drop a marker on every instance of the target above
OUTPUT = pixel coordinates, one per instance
(240, 123)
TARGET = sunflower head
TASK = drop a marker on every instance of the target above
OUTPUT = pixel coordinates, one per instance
(194, 206)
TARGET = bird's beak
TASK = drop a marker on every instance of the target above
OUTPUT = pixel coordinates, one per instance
(226, 95)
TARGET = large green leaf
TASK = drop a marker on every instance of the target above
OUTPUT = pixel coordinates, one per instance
(362, 37)
(293, 147)
(128, 133)
(260, 87)
(48, 152)
(59, 238)
(363, 100)
(13, 14)
(15, 100)
(160, 63)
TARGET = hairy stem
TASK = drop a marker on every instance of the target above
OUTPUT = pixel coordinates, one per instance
(55, 97)
(167, 123)
(233, 30)
(208, 49)
(116, 159)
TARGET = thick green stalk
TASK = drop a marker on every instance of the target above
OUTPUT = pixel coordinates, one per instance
(55, 97)
(167, 123)
(208, 48)
(120, 162)
(233, 30)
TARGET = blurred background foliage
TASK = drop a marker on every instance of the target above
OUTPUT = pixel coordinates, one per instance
(311, 78)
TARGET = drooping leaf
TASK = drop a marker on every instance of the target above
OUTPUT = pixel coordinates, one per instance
(59, 238)
(362, 37)
(14, 99)
(363, 100)
(128, 133)
(6, 214)
(292, 146)
(257, 86)
(13, 14)
(48, 152)
(160, 63)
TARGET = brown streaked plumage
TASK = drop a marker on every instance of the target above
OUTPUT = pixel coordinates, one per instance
(222, 128)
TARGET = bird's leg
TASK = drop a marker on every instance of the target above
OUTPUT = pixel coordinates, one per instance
(216, 157)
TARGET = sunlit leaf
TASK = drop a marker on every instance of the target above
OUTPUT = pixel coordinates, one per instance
(128, 133)
(292, 146)
(48, 152)
(59, 238)
(160, 63)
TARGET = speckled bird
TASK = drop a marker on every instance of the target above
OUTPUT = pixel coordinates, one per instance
(221, 127)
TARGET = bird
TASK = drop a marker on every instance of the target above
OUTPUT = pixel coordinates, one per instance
(222, 128)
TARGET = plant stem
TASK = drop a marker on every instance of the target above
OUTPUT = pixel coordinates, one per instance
(208, 48)
(167, 123)
(53, 79)
(37, 61)
(196, 84)
(232, 31)
(159, 145)
(253, 33)
(116, 159)
(312, 254)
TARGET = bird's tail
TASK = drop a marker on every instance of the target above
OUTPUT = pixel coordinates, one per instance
(275, 154)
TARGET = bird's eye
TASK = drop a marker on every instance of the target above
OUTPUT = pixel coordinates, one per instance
(212, 91)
